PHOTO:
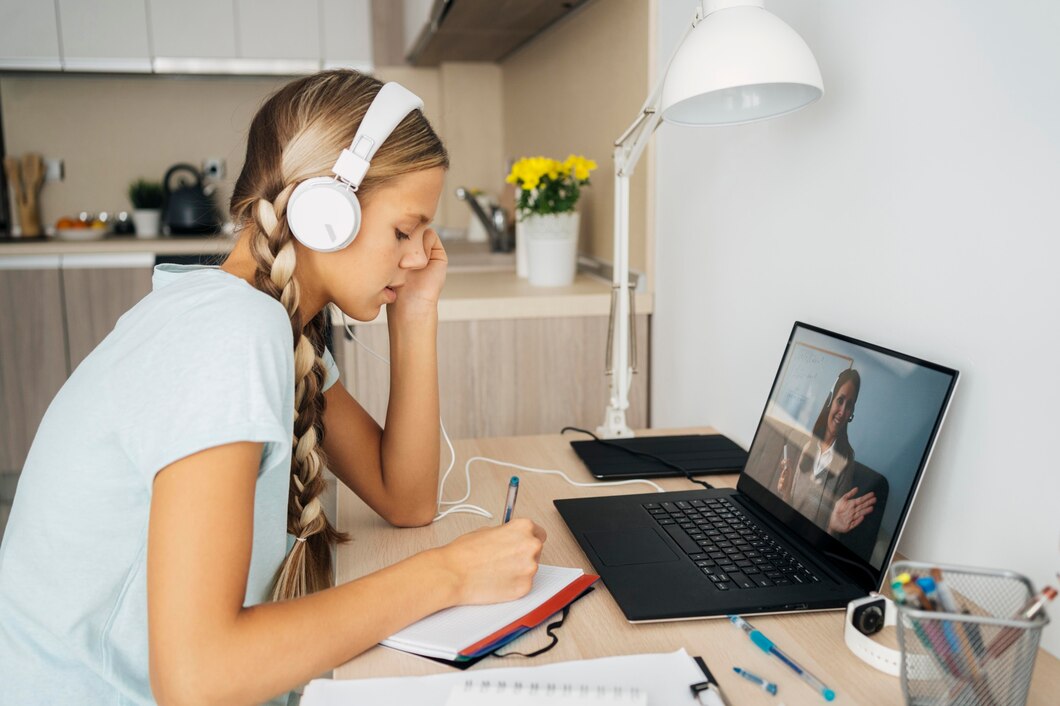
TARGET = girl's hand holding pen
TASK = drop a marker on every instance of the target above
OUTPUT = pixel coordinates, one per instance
(495, 564)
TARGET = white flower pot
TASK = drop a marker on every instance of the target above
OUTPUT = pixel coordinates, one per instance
(522, 265)
(551, 248)
(146, 221)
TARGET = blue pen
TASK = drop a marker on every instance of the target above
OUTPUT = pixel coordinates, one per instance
(767, 646)
(509, 502)
(766, 685)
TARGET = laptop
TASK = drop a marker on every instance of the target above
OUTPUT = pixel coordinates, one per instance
(840, 450)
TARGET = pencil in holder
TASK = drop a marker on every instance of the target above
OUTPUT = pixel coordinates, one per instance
(980, 654)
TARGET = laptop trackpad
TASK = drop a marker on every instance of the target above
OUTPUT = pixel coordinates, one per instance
(639, 545)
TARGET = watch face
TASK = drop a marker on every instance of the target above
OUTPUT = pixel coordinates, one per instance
(868, 618)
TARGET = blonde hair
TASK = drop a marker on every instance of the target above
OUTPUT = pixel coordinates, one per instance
(297, 134)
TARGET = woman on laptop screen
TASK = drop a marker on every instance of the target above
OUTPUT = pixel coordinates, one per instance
(818, 484)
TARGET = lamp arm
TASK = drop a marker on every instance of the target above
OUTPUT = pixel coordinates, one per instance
(621, 331)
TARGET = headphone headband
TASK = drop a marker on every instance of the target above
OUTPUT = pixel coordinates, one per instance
(323, 212)
(388, 109)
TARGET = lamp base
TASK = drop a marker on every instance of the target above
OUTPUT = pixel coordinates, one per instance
(614, 426)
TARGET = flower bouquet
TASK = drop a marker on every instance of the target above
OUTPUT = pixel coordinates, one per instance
(546, 216)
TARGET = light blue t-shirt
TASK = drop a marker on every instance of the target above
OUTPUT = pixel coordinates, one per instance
(203, 360)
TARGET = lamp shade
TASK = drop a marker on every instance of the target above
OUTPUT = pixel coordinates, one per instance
(738, 65)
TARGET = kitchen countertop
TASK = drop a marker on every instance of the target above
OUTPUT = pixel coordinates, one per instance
(480, 284)
(192, 245)
(476, 296)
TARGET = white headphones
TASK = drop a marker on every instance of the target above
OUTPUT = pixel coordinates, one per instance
(323, 212)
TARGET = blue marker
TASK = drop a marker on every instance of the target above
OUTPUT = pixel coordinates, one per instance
(767, 646)
(766, 685)
(509, 502)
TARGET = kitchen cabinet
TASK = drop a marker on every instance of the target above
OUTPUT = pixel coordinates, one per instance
(347, 34)
(279, 31)
(33, 363)
(502, 377)
(186, 35)
(480, 30)
(29, 36)
(104, 36)
(97, 290)
(53, 311)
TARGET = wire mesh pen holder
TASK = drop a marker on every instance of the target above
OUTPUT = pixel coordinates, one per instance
(982, 656)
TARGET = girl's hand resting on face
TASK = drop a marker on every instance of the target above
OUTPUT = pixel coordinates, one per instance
(424, 285)
(495, 564)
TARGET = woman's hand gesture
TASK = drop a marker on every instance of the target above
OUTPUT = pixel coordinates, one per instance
(849, 512)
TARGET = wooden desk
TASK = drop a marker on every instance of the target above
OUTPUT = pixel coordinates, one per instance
(596, 626)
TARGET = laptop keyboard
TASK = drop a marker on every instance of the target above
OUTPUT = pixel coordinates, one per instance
(728, 546)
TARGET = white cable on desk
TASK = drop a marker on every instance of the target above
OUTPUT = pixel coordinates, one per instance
(461, 506)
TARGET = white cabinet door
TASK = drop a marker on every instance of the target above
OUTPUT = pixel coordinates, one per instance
(104, 36)
(29, 35)
(192, 36)
(348, 34)
(279, 33)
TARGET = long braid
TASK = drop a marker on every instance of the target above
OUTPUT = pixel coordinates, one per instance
(307, 567)
(295, 136)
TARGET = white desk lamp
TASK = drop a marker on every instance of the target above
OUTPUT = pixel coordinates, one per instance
(737, 63)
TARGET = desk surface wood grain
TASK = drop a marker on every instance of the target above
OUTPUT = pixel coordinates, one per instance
(596, 626)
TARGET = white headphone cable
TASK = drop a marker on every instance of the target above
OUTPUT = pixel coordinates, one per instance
(461, 506)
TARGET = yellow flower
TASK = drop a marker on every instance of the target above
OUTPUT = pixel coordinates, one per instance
(547, 185)
(579, 166)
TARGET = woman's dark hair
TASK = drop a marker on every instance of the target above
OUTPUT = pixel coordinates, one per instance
(842, 441)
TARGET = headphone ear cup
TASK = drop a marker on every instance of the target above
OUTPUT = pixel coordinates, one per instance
(324, 214)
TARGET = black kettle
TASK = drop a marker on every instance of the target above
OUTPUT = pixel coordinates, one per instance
(188, 208)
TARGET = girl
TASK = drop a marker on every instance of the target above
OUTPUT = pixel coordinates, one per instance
(167, 541)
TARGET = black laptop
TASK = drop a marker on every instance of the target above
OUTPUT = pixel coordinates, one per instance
(830, 476)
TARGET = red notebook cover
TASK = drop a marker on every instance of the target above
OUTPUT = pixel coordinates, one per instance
(538, 615)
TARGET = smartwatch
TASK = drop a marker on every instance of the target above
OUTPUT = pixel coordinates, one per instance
(866, 617)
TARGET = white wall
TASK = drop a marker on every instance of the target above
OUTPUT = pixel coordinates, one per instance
(914, 206)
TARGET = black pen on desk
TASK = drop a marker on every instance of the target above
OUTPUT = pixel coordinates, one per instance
(509, 502)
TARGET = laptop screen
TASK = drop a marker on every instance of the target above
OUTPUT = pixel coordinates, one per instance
(843, 441)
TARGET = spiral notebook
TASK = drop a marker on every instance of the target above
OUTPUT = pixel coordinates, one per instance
(487, 693)
(659, 679)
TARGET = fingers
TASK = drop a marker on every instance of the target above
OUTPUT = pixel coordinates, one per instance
(432, 246)
(850, 493)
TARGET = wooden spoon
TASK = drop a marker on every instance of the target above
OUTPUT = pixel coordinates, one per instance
(32, 179)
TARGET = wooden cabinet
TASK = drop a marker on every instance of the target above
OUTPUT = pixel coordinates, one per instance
(33, 363)
(29, 35)
(53, 311)
(502, 377)
(97, 290)
(104, 36)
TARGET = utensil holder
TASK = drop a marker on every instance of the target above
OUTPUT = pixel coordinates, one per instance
(981, 657)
